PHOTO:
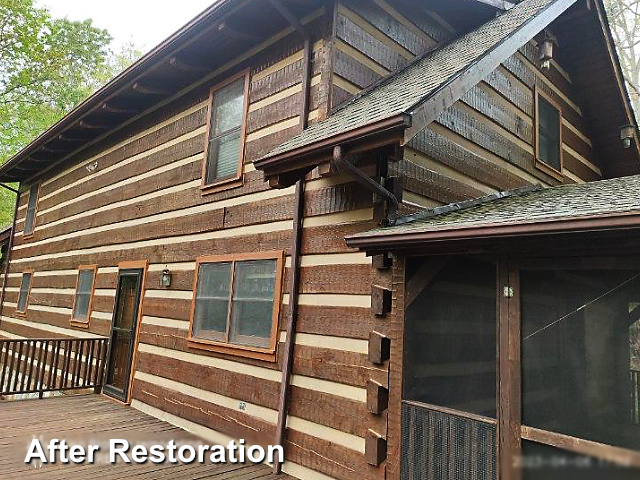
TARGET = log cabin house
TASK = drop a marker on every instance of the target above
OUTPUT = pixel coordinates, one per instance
(483, 307)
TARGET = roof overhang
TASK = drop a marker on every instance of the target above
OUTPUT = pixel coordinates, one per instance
(480, 233)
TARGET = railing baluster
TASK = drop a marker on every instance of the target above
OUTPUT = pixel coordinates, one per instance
(5, 345)
(44, 351)
(89, 369)
(53, 372)
(17, 365)
(27, 356)
(79, 352)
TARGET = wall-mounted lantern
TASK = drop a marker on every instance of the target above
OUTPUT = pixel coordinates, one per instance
(546, 46)
(627, 132)
(166, 278)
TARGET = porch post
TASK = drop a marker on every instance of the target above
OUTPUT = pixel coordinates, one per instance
(509, 374)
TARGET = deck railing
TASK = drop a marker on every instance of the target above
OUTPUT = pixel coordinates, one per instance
(40, 365)
(635, 396)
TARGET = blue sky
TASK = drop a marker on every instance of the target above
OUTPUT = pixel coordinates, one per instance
(144, 22)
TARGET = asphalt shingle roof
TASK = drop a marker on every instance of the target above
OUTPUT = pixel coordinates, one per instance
(403, 91)
(529, 205)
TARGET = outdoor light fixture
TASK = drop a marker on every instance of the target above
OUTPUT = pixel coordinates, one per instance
(546, 49)
(626, 135)
(166, 278)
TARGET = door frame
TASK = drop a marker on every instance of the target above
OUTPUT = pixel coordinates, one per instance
(129, 265)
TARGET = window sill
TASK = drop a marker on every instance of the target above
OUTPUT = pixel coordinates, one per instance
(79, 323)
(255, 353)
(18, 313)
(542, 166)
(222, 185)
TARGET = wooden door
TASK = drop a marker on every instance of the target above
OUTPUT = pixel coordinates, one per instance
(123, 333)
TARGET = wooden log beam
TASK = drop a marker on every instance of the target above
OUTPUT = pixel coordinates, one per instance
(184, 66)
(236, 34)
(111, 109)
(92, 126)
(148, 90)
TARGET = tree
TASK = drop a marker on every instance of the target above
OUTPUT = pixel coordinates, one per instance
(624, 18)
(47, 66)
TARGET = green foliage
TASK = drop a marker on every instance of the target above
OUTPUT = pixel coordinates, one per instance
(47, 67)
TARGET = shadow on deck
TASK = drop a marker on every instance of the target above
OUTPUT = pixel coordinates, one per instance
(94, 419)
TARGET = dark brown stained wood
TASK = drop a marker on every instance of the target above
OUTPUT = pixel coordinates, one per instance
(394, 29)
(256, 149)
(450, 153)
(313, 452)
(509, 379)
(167, 133)
(339, 96)
(337, 198)
(468, 127)
(579, 145)
(353, 71)
(382, 261)
(434, 185)
(377, 397)
(506, 84)
(234, 423)
(380, 300)
(370, 46)
(98, 326)
(224, 382)
(52, 299)
(350, 322)
(349, 279)
(379, 348)
(279, 111)
(574, 165)
(480, 99)
(376, 448)
(176, 339)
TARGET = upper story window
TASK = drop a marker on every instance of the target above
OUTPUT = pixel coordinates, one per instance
(224, 151)
(549, 133)
(236, 303)
(32, 207)
(25, 289)
(84, 293)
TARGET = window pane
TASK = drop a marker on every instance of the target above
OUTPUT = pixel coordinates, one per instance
(548, 133)
(450, 346)
(212, 300)
(24, 292)
(223, 157)
(228, 104)
(31, 210)
(252, 309)
(81, 308)
(579, 353)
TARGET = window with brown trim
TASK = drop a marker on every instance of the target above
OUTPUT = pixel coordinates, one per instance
(85, 287)
(236, 301)
(25, 290)
(548, 133)
(224, 151)
(32, 208)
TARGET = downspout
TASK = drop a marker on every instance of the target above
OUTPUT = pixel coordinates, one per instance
(9, 250)
(298, 218)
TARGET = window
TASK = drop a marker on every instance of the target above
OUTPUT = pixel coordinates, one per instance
(84, 294)
(237, 301)
(549, 134)
(224, 151)
(25, 288)
(30, 220)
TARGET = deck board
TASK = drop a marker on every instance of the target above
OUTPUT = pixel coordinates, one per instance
(94, 419)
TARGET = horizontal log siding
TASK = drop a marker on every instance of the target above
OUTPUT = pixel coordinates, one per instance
(486, 141)
(144, 202)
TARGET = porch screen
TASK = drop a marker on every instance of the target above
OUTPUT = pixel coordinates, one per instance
(450, 334)
(581, 353)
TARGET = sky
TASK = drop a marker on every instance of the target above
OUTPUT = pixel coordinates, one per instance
(144, 22)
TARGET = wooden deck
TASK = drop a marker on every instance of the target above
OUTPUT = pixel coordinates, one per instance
(94, 419)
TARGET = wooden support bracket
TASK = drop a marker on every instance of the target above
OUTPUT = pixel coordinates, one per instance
(380, 300)
(379, 348)
(375, 450)
(377, 397)
(383, 261)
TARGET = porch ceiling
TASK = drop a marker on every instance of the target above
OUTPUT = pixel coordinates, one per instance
(598, 206)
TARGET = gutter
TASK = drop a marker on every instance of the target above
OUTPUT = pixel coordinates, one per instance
(591, 224)
(9, 251)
